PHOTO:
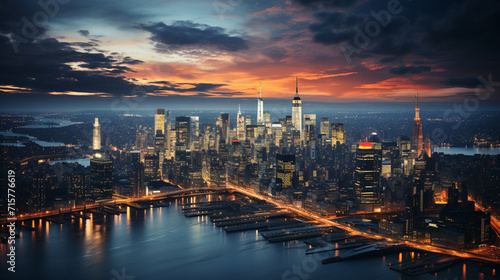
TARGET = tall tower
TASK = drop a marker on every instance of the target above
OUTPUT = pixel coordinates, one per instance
(96, 144)
(417, 138)
(297, 109)
(260, 107)
(240, 125)
(160, 121)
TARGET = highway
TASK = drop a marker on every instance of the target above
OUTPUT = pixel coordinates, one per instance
(416, 245)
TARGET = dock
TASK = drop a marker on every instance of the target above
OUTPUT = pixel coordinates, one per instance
(429, 263)
(367, 250)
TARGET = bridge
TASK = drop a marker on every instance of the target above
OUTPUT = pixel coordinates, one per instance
(121, 200)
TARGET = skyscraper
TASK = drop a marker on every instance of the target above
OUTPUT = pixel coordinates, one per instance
(337, 133)
(101, 176)
(325, 127)
(417, 137)
(368, 167)
(260, 107)
(137, 176)
(96, 143)
(160, 134)
(297, 109)
(240, 125)
(183, 127)
(225, 126)
(160, 121)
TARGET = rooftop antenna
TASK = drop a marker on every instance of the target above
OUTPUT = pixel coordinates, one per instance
(260, 95)
(296, 86)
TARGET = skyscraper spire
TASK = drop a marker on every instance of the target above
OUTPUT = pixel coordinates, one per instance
(417, 109)
(96, 143)
(260, 91)
(260, 107)
(296, 86)
(297, 110)
(239, 109)
(417, 138)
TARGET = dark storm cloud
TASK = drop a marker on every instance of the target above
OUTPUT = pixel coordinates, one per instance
(402, 70)
(187, 33)
(43, 66)
(458, 37)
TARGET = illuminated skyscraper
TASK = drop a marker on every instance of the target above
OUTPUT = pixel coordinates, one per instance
(240, 126)
(260, 107)
(417, 137)
(182, 127)
(368, 168)
(96, 144)
(325, 127)
(297, 109)
(160, 121)
(160, 134)
(337, 133)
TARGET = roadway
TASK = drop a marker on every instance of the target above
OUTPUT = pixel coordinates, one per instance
(412, 244)
(120, 200)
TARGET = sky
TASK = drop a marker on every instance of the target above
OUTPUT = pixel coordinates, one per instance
(82, 54)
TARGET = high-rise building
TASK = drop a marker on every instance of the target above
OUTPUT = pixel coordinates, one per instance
(96, 143)
(417, 137)
(168, 137)
(160, 121)
(137, 176)
(368, 168)
(297, 109)
(337, 133)
(225, 126)
(260, 107)
(39, 191)
(183, 128)
(240, 126)
(101, 176)
(325, 127)
(285, 170)
(151, 168)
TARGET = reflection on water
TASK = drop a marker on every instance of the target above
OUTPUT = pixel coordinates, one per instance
(160, 243)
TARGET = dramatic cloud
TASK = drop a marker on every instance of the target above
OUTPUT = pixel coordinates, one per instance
(401, 70)
(438, 47)
(186, 33)
(47, 65)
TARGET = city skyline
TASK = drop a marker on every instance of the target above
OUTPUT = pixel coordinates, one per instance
(276, 139)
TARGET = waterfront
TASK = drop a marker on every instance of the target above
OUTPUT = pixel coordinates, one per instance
(162, 243)
(468, 151)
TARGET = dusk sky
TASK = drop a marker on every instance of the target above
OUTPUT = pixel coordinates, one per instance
(224, 48)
